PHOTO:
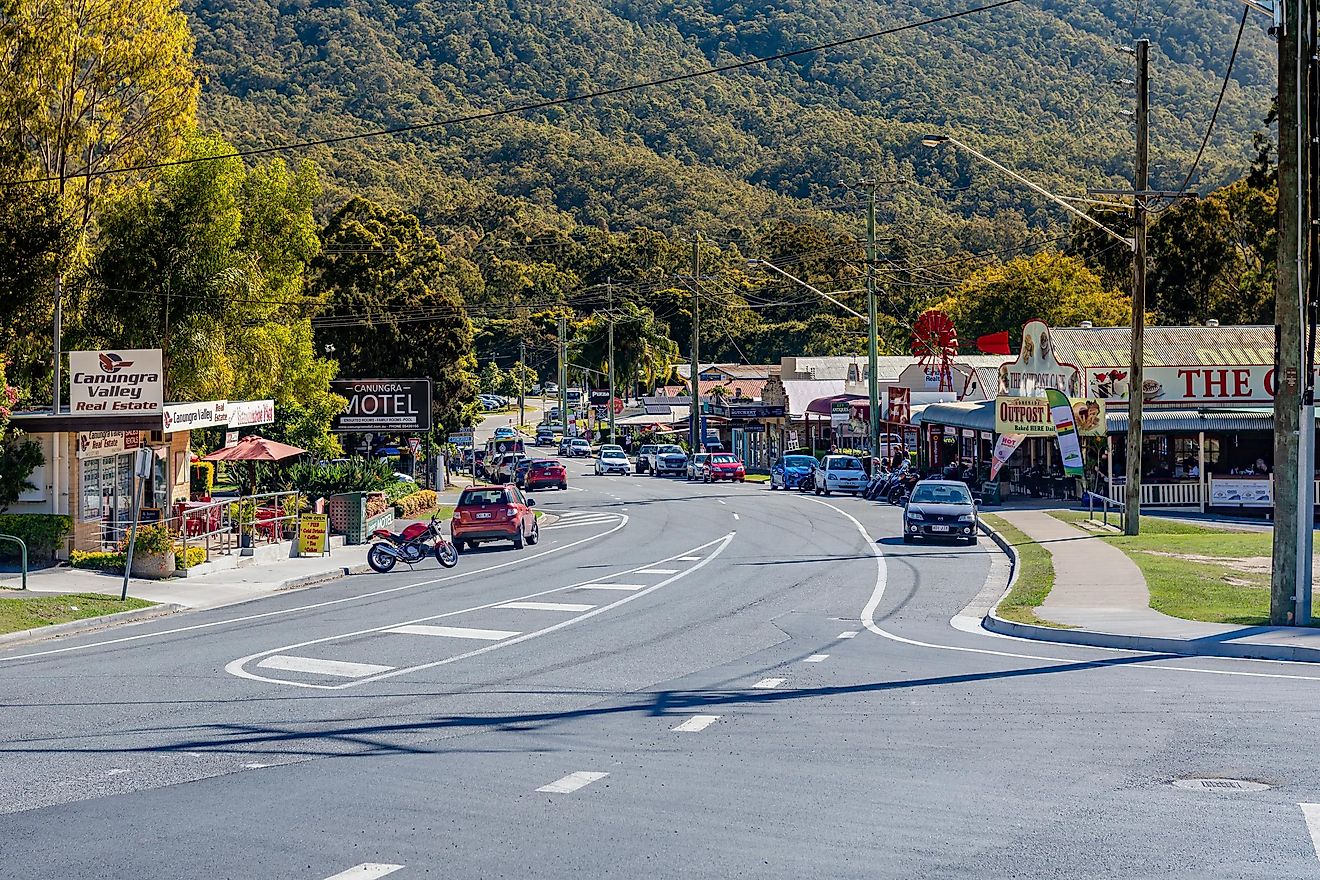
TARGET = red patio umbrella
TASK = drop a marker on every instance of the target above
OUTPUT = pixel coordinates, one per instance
(254, 448)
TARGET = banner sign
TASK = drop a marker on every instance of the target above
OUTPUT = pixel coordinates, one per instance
(246, 413)
(1241, 491)
(1037, 367)
(900, 405)
(1005, 446)
(1030, 416)
(1070, 447)
(383, 405)
(186, 416)
(123, 381)
(1188, 384)
(102, 444)
(313, 534)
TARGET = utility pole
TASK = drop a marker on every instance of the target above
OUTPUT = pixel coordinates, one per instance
(563, 373)
(1136, 394)
(609, 284)
(522, 381)
(872, 343)
(694, 410)
(1290, 574)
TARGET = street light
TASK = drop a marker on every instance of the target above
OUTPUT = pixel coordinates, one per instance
(1132, 515)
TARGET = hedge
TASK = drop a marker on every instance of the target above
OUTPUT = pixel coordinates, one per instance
(44, 534)
(110, 560)
(415, 502)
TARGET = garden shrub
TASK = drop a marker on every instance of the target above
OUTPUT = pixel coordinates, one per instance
(103, 560)
(44, 533)
(414, 502)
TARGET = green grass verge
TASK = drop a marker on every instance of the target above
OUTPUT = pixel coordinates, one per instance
(30, 612)
(1035, 576)
(1199, 573)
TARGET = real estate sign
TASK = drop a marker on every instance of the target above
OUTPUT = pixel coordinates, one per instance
(124, 381)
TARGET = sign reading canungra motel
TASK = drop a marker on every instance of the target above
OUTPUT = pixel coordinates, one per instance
(120, 381)
(383, 405)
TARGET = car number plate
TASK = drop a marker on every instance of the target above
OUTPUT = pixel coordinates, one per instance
(939, 528)
(484, 515)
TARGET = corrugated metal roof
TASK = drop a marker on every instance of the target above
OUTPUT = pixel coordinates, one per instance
(1165, 346)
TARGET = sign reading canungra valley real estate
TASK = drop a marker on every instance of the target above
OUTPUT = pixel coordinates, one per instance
(383, 405)
(187, 416)
(116, 381)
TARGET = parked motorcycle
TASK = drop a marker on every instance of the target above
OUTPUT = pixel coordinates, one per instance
(902, 487)
(411, 546)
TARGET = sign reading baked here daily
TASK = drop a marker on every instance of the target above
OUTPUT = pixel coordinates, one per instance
(126, 381)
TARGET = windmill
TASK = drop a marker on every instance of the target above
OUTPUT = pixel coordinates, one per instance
(935, 345)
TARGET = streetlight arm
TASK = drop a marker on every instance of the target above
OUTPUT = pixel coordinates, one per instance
(1039, 190)
(816, 290)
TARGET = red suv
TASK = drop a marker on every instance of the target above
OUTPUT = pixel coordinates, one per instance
(545, 473)
(724, 466)
(494, 513)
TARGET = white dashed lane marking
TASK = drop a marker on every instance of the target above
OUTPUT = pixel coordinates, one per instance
(848, 634)
(547, 606)
(766, 684)
(366, 871)
(340, 668)
(572, 782)
(658, 571)
(454, 632)
(815, 658)
(696, 723)
(628, 587)
(688, 558)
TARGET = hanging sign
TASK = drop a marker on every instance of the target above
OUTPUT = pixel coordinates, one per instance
(900, 405)
(101, 444)
(187, 416)
(1030, 416)
(121, 381)
(383, 405)
(246, 413)
(1037, 367)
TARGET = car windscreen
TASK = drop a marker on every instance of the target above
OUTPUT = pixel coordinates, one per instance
(612, 453)
(668, 449)
(542, 464)
(799, 461)
(941, 495)
(724, 459)
(845, 464)
(478, 497)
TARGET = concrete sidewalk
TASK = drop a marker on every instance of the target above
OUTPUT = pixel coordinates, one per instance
(1100, 592)
(224, 587)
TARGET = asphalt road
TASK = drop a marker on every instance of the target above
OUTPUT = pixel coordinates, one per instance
(678, 681)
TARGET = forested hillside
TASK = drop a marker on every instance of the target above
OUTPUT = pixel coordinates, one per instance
(1030, 82)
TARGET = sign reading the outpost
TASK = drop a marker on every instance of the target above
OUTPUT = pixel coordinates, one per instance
(383, 405)
(126, 381)
(1030, 417)
(1037, 367)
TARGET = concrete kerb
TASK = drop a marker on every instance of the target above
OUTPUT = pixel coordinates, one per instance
(1125, 642)
(90, 624)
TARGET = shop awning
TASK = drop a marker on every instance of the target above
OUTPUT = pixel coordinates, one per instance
(978, 415)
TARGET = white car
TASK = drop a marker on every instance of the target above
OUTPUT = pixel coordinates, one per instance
(840, 473)
(612, 460)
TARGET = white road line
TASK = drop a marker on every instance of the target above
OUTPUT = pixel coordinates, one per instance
(766, 684)
(453, 632)
(519, 560)
(341, 668)
(720, 500)
(658, 571)
(256, 765)
(236, 667)
(696, 723)
(848, 634)
(547, 606)
(628, 587)
(367, 871)
(1311, 812)
(572, 782)
(815, 658)
(688, 558)
(736, 516)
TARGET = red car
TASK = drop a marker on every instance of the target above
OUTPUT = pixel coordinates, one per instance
(724, 466)
(545, 473)
(494, 513)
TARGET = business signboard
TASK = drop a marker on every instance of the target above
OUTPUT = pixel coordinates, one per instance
(1030, 416)
(123, 381)
(900, 405)
(187, 416)
(100, 444)
(1037, 367)
(383, 405)
(313, 534)
(247, 413)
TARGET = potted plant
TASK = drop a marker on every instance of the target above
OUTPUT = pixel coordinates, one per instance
(243, 514)
(153, 554)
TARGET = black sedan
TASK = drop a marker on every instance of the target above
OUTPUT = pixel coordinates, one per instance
(940, 509)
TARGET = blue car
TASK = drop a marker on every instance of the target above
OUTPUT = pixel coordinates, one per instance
(790, 469)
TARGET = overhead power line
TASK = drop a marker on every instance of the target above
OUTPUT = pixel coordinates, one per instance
(1218, 102)
(541, 105)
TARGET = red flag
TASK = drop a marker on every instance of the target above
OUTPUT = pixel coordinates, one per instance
(994, 343)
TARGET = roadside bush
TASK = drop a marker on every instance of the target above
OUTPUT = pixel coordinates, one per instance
(195, 556)
(376, 504)
(415, 502)
(44, 533)
(354, 475)
(102, 560)
(201, 481)
(398, 490)
(152, 540)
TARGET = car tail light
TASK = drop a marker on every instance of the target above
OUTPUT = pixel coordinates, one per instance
(510, 512)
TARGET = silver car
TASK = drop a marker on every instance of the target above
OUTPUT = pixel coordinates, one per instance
(840, 473)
